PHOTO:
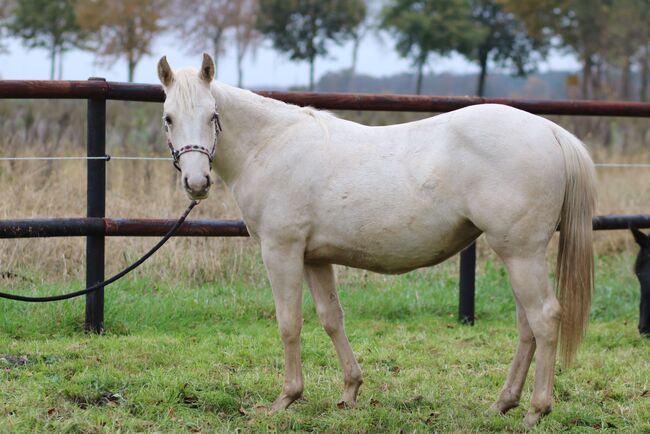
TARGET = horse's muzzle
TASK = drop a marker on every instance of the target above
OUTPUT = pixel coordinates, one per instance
(197, 186)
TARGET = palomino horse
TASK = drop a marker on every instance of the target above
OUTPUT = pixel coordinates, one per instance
(316, 190)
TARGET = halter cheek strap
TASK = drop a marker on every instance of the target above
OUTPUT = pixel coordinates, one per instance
(176, 153)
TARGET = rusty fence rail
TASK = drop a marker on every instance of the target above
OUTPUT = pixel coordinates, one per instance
(123, 227)
(96, 226)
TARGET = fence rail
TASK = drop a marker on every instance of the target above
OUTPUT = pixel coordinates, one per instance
(122, 227)
(95, 227)
(110, 90)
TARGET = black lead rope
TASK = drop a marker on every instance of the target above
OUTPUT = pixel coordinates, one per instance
(110, 280)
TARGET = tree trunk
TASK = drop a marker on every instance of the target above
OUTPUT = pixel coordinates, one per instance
(596, 80)
(216, 49)
(240, 68)
(52, 60)
(312, 60)
(131, 70)
(480, 88)
(586, 77)
(625, 79)
(60, 63)
(645, 74)
(418, 82)
(355, 57)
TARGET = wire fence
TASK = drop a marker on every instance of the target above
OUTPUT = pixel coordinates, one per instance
(113, 157)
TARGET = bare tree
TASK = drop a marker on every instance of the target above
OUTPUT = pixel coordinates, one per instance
(203, 24)
(124, 28)
(246, 36)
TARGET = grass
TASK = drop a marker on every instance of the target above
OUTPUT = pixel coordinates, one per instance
(207, 358)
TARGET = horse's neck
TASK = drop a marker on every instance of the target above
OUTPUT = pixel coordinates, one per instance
(249, 121)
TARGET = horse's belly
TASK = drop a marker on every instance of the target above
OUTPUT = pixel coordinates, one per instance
(391, 250)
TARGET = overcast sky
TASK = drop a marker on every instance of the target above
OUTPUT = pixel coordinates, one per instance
(267, 69)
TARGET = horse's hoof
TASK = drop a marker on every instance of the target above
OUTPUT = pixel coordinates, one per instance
(346, 404)
(282, 403)
(533, 417)
(500, 407)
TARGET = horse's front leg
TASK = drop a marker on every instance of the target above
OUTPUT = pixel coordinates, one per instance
(284, 265)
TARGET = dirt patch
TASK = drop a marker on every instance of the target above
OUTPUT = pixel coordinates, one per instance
(9, 361)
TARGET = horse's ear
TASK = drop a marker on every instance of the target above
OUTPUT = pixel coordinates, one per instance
(165, 73)
(641, 238)
(207, 69)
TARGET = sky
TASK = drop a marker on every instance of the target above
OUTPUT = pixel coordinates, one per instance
(268, 69)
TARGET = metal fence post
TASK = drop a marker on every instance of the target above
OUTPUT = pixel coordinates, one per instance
(467, 285)
(96, 206)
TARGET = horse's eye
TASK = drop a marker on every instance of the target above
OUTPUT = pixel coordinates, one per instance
(168, 119)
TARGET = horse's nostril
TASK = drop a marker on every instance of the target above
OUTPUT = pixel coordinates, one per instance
(207, 181)
(187, 185)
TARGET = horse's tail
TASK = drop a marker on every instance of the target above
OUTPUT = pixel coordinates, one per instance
(575, 260)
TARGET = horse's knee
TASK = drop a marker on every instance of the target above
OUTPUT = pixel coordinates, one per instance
(290, 330)
(526, 338)
(333, 327)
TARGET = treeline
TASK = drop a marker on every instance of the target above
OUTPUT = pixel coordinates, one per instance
(611, 38)
(546, 85)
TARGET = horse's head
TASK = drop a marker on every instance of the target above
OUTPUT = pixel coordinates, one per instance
(191, 123)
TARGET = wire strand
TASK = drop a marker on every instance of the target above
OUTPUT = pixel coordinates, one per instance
(625, 165)
(111, 157)
(105, 157)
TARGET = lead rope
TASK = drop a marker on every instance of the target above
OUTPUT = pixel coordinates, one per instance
(110, 280)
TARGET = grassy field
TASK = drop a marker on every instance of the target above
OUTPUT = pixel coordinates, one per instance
(207, 358)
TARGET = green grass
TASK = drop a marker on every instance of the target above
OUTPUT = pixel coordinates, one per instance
(209, 359)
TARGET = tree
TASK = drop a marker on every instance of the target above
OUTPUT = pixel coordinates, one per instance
(581, 26)
(502, 40)
(424, 27)
(49, 24)
(304, 28)
(123, 28)
(365, 26)
(5, 8)
(212, 17)
(628, 42)
(246, 36)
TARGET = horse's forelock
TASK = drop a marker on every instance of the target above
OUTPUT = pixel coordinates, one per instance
(187, 86)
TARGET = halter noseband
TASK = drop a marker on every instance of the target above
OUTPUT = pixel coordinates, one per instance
(176, 153)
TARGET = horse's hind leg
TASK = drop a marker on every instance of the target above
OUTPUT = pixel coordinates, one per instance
(511, 392)
(322, 284)
(529, 280)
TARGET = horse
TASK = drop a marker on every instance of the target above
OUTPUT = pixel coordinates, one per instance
(642, 271)
(315, 190)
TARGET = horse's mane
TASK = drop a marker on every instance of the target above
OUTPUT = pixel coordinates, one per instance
(186, 93)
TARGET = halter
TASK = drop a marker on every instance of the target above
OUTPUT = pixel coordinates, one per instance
(176, 153)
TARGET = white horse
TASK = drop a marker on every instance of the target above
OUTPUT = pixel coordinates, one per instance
(316, 190)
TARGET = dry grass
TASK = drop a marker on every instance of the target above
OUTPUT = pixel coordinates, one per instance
(150, 190)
